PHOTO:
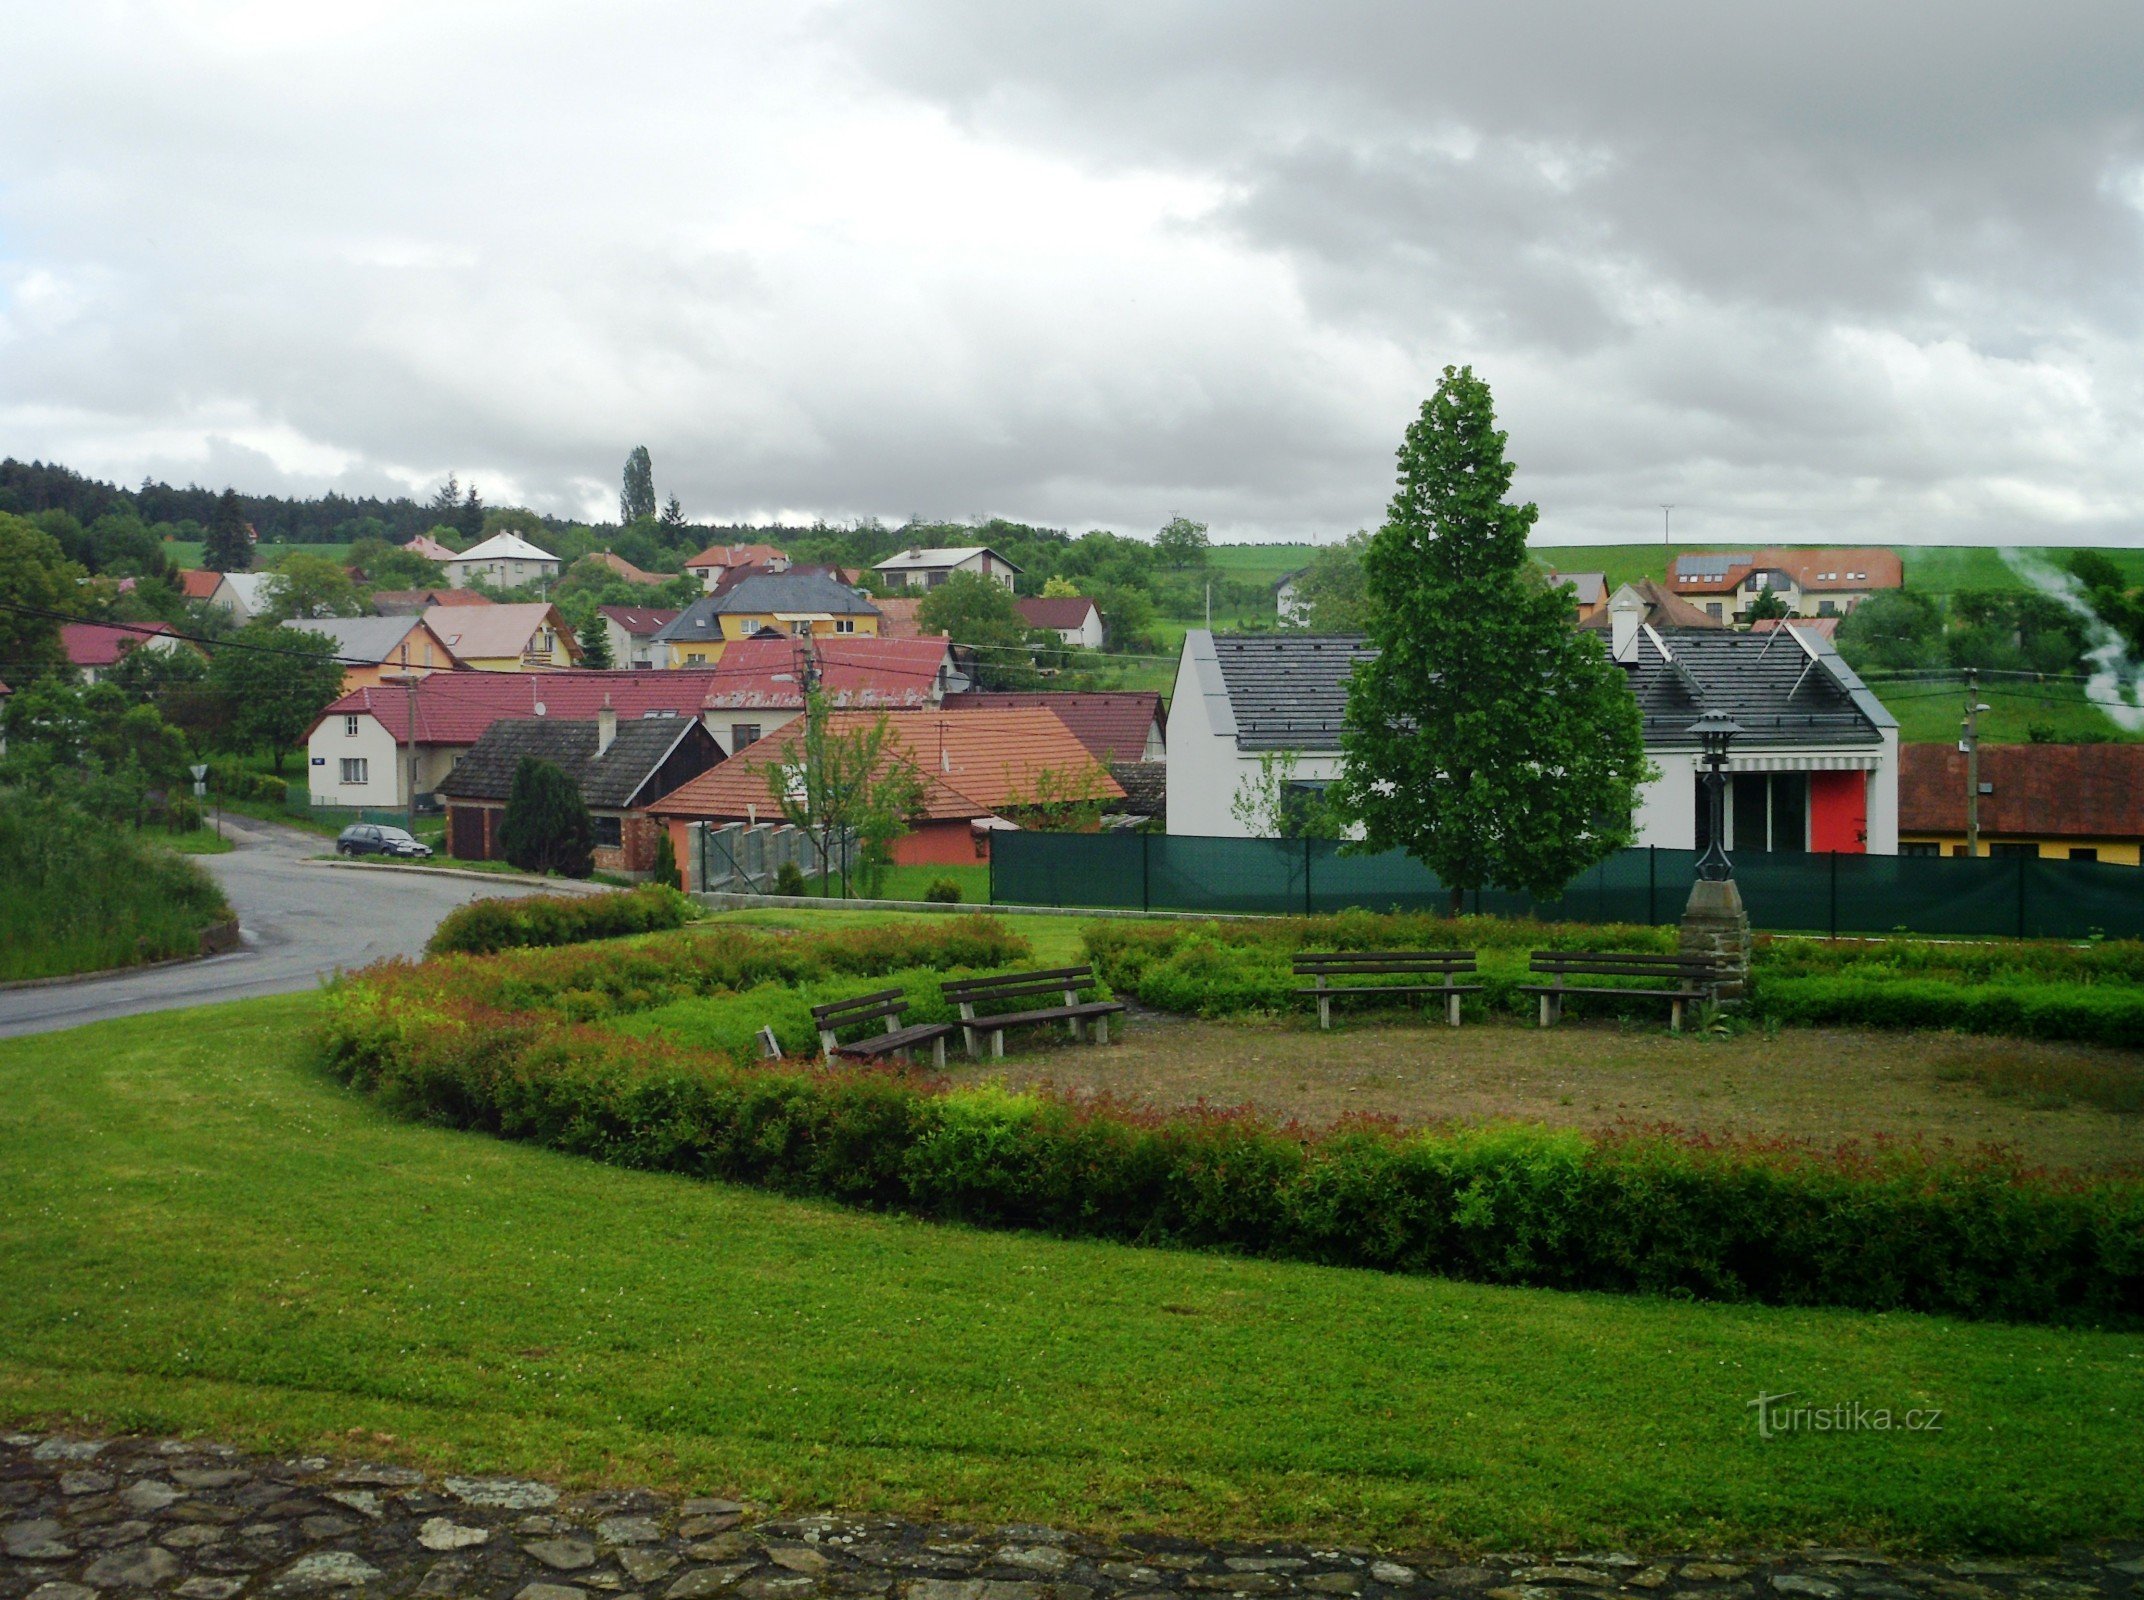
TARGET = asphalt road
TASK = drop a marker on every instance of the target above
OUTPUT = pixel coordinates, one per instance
(300, 922)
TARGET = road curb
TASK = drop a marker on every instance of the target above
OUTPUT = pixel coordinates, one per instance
(555, 885)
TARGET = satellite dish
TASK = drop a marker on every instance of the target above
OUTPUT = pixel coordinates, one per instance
(539, 708)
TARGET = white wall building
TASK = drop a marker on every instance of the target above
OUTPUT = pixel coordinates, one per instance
(917, 568)
(505, 561)
(1815, 768)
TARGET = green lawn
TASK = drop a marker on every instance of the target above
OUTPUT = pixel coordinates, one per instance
(1931, 712)
(1932, 569)
(200, 842)
(200, 1234)
(187, 552)
(909, 883)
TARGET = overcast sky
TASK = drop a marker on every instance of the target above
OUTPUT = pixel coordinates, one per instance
(1812, 272)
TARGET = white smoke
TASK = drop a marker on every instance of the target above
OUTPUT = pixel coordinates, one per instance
(2116, 684)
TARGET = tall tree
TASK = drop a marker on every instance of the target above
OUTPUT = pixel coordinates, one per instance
(834, 783)
(229, 546)
(546, 827)
(446, 502)
(981, 616)
(37, 583)
(595, 641)
(1181, 543)
(469, 518)
(276, 681)
(1334, 590)
(638, 499)
(673, 514)
(1488, 738)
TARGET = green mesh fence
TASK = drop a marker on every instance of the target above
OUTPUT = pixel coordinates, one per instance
(1941, 895)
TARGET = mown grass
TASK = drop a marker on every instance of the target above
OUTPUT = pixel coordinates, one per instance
(199, 1234)
(202, 841)
(913, 883)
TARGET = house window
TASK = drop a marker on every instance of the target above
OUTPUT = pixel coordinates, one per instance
(1713, 610)
(1919, 847)
(2014, 849)
(933, 580)
(2084, 852)
(694, 658)
(1827, 608)
(355, 769)
(608, 832)
(544, 640)
(742, 734)
(349, 727)
(844, 624)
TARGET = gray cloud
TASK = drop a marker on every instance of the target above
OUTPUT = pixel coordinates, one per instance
(1833, 272)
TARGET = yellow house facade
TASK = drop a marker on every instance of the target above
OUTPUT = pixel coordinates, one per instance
(2058, 802)
(531, 637)
(793, 604)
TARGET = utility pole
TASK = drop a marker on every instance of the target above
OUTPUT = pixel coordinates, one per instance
(1664, 511)
(1209, 605)
(1970, 744)
(409, 679)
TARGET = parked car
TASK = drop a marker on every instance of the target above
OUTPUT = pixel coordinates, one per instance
(370, 839)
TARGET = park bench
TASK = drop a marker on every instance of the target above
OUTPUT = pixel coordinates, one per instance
(1322, 966)
(1690, 978)
(981, 1002)
(899, 1037)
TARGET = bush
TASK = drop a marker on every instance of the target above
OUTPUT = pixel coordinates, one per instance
(789, 879)
(243, 783)
(664, 868)
(943, 892)
(183, 816)
(546, 827)
(82, 895)
(487, 1045)
(2087, 1013)
(485, 926)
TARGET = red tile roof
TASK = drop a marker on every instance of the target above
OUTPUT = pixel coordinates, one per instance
(99, 644)
(430, 548)
(1055, 611)
(1814, 571)
(971, 764)
(198, 583)
(1113, 727)
(2074, 791)
(638, 621)
(424, 599)
(625, 569)
(1826, 627)
(734, 555)
(897, 616)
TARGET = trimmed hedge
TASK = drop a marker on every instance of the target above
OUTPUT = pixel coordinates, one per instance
(486, 1044)
(2083, 1012)
(485, 927)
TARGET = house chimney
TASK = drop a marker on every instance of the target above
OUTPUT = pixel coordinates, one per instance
(606, 726)
(1626, 613)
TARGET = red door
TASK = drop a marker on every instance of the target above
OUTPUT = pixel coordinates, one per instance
(1839, 812)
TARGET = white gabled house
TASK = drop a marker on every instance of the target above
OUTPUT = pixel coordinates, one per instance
(1815, 768)
(505, 561)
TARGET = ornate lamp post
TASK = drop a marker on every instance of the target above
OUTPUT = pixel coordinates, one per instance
(1714, 733)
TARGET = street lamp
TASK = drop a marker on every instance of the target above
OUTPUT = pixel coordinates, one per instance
(1714, 733)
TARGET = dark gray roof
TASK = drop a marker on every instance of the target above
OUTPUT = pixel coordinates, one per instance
(609, 781)
(1783, 687)
(1145, 785)
(1288, 691)
(765, 592)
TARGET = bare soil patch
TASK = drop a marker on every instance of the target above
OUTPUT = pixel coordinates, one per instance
(2052, 1103)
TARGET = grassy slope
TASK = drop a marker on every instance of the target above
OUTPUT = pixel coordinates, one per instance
(177, 1252)
(1934, 569)
(187, 552)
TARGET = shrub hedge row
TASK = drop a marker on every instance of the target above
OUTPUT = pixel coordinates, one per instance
(2088, 1013)
(462, 1042)
(484, 927)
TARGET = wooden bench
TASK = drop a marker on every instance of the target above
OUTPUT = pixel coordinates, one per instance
(1691, 979)
(981, 999)
(1322, 966)
(900, 1037)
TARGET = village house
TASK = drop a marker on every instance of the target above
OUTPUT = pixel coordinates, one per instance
(1073, 618)
(618, 766)
(917, 568)
(431, 549)
(94, 648)
(1815, 768)
(759, 687)
(1654, 607)
(372, 649)
(1289, 606)
(505, 561)
(2079, 802)
(529, 636)
(717, 561)
(1810, 583)
(976, 770)
(630, 632)
(1589, 591)
(796, 604)
(246, 596)
(198, 583)
(1115, 726)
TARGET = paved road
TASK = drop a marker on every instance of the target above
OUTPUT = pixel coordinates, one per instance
(299, 922)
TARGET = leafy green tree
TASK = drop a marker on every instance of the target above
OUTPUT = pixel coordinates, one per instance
(2095, 571)
(275, 682)
(1334, 590)
(980, 614)
(833, 784)
(228, 547)
(1767, 605)
(637, 501)
(150, 677)
(388, 566)
(1060, 802)
(546, 827)
(1488, 738)
(1273, 803)
(309, 585)
(37, 585)
(1181, 543)
(1895, 630)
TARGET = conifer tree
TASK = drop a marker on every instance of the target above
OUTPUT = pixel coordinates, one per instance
(546, 827)
(1488, 737)
(228, 547)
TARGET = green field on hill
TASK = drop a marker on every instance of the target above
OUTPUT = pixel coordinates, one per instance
(187, 552)
(1931, 569)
